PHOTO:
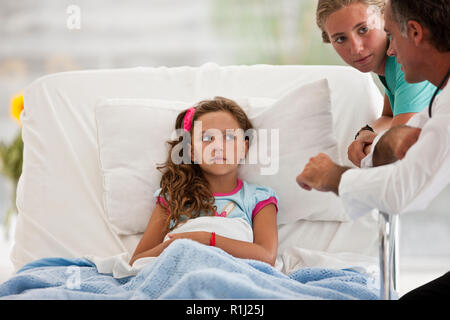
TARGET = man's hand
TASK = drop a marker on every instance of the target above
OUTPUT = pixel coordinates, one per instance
(360, 148)
(394, 144)
(321, 174)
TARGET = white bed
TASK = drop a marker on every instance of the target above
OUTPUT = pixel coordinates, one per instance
(60, 196)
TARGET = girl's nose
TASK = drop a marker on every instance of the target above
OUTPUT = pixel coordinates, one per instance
(218, 146)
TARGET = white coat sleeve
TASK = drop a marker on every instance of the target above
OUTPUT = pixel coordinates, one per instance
(406, 185)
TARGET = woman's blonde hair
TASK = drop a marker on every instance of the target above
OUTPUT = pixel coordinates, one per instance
(325, 8)
(183, 186)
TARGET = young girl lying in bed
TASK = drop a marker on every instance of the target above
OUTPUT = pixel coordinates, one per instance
(203, 199)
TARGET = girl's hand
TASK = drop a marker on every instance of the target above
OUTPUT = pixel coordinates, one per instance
(199, 236)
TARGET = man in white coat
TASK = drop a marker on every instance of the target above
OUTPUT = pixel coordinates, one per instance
(409, 165)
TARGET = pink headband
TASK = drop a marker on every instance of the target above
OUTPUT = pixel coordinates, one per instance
(187, 122)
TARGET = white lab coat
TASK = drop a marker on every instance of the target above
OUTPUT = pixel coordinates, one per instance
(411, 183)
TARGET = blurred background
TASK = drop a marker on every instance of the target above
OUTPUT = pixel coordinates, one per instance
(48, 36)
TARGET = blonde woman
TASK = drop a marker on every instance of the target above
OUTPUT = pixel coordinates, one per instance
(355, 29)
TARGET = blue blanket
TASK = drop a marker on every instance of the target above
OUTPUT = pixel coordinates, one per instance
(185, 270)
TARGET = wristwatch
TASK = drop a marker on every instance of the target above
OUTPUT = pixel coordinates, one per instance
(367, 127)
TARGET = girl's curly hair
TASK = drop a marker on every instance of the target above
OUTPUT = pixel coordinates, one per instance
(183, 186)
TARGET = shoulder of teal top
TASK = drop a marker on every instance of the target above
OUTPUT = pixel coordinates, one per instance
(386, 80)
(391, 70)
(406, 97)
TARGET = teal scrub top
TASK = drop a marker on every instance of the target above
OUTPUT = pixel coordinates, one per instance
(404, 97)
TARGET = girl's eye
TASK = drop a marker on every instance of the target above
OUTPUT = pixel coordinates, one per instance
(229, 137)
(207, 138)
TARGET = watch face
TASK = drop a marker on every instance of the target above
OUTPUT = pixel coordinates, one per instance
(367, 127)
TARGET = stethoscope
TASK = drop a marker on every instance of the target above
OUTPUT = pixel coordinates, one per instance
(436, 92)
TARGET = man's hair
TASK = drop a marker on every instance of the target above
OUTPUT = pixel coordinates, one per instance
(431, 14)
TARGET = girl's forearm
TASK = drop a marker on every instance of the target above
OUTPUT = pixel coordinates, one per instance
(153, 252)
(237, 248)
(246, 250)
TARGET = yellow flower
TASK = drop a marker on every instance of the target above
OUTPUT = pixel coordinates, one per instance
(17, 106)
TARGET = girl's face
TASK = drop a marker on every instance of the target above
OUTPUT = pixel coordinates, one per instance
(357, 34)
(218, 143)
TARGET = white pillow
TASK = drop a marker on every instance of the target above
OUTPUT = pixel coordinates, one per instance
(132, 135)
(304, 121)
(131, 138)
